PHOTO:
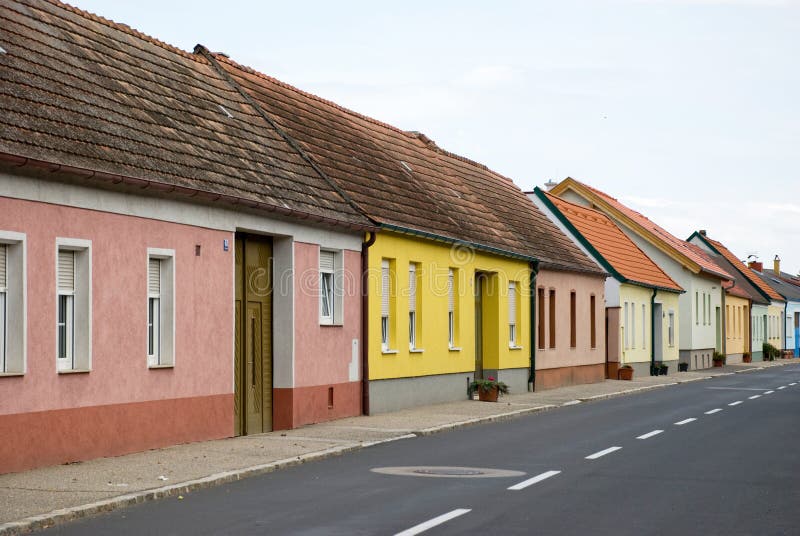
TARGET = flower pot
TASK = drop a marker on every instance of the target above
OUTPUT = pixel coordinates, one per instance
(625, 374)
(747, 359)
(718, 363)
(664, 370)
(488, 395)
(683, 367)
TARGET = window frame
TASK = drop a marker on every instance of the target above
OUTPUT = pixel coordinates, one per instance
(327, 288)
(552, 319)
(386, 306)
(79, 325)
(513, 314)
(451, 309)
(573, 319)
(13, 353)
(166, 327)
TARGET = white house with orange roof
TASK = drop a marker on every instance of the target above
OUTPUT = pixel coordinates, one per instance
(700, 315)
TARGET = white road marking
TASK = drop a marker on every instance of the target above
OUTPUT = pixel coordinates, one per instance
(754, 397)
(713, 411)
(436, 521)
(648, 435)
(571, 403)
(735, 403)
(535, 480)
(736, 388)
(685, 421)
(782, 387)
(768, 392)
(602, 453)
(794, 383)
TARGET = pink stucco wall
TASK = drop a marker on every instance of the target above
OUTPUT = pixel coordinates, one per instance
(323, 353)
(203, 341)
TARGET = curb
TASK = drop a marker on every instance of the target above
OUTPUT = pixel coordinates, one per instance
(64, 515)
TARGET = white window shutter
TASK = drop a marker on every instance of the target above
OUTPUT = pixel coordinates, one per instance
(3, 263)
(326, 259)
(412, 288)
(451, 305)
(154, 277)
(66, 271)
(512, 303)
(385, 288)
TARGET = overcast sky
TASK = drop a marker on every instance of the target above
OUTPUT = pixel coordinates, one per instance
(686, 110)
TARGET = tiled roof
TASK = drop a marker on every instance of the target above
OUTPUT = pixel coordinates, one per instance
(614, 245)
(681, 247)
(736, 290)
(751, 275)
(81, 91)
(783, 288)
(402, 179)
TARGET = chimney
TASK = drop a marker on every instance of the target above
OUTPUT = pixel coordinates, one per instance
(776, 266)
(702, 232)
(549, 185)
(755, 265)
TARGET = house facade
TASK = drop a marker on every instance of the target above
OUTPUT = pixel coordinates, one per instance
(782, 283)
(641, 301)
(700, 315)
(172, 269)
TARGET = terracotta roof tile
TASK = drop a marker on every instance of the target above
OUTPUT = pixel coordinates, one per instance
(403, 179)
(680, 246)
(81, 91)
(614, 245)
(751, 275)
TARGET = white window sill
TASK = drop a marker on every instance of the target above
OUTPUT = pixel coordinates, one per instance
(416, 350)
(454, 349)
(390, 352)
(75, 371)
(514, 347)
(11, 374)
(169, 365)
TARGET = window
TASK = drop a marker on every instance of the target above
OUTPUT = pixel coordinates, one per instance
(160, 307)
(326, 270)
(633, 325)
(12, 303)
(412, 306)
(671, 329)
(552, 318)
(592, 321)
(728, 321)
(451, 309)
(73, 305)
(512, 314)
(385, 290)
(625, 326)
(541, 308)
(696, 308)
(644, 323)
(573, 320)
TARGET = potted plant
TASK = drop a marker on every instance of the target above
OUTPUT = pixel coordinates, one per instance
(488, 389)
(770, 352)
(747, 358)
(719, 359)
(658, 369)
(683, 367)
(625, 372)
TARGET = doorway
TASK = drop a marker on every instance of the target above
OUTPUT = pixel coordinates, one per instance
(797, 334)
(658, 336)
(719, 331)
(480, 298)
(253, 335)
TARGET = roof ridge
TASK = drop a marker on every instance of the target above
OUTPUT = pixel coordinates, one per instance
(271, 79)
(121, 27)
(434, 146)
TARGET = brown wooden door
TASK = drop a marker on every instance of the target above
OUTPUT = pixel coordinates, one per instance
(253, 344)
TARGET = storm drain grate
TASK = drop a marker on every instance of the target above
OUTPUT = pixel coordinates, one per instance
(447, 472)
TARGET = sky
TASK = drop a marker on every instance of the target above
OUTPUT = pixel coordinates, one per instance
(685, 110)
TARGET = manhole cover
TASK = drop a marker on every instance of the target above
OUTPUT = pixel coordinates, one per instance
(448, 472)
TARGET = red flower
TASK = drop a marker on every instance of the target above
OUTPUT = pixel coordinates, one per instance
(491, 379)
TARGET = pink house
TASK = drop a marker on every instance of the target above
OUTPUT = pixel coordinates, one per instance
(172, 267)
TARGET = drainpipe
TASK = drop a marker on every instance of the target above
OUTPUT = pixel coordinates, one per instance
(785, 319)
(365, 322)
(534, 266)
(653, 332)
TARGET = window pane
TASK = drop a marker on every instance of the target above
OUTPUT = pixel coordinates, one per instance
(3, 367)
(62, 326)
(327, 295)
(150, 318)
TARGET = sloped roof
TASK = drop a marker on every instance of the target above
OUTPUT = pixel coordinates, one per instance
(682, 248)
(739, 266)
(403, 180)
(784, 288)
(612, 244)
(81, 91)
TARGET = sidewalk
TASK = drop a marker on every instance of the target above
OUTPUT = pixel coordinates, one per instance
(50, 495)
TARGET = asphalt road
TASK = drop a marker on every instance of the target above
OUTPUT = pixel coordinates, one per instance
(732, 471)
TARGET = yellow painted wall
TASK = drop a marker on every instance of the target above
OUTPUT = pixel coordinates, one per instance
(669, 302)
(434, 356)
(737, 324)
(775, 325)
(635, 349)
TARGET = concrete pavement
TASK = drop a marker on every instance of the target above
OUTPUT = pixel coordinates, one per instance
(43, 497)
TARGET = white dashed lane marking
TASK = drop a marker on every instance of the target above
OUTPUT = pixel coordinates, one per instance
(602, 453)
(713, 411)
(735, 403)
(535, 480)
(781, 387)
(768, 392)
(648, 435)
(754, 397)
(685, 421)
(435, 522)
